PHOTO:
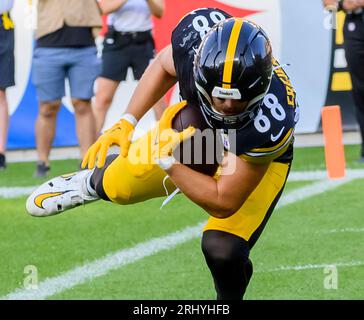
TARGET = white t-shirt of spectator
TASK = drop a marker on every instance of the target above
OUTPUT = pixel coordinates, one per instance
(6, 5)
(133, 16)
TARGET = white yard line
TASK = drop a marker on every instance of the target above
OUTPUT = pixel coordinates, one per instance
(322, 175)
(344, 230)
(313, 266)
(311, 190)
(102, 266)
(106, 264)
(15, 192)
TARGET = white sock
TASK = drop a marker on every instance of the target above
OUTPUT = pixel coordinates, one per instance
(90, 190)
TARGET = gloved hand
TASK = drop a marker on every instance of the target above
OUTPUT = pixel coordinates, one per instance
(120, 134)
(166, 139)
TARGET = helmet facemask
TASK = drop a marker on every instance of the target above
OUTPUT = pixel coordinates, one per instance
(220, 121)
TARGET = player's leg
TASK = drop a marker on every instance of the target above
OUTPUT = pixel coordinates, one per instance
(227, 257)
(121, 180)
(226, 243)
(135, 178)
(95, 181)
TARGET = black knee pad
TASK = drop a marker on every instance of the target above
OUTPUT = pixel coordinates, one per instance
(98, 175)
(227, 256)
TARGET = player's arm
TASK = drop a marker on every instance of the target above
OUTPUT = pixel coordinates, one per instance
(109, 6)
(155, 82)
(156, 7)
(157, 79)
(221, 198)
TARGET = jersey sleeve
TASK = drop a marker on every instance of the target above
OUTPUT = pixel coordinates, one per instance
(272, 151)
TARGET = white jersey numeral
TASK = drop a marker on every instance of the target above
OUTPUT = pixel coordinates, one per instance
(276, 109)
(202, 25)
(262, 122)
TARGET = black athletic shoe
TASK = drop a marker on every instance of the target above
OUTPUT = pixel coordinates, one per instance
(42, 170)
(2, 161)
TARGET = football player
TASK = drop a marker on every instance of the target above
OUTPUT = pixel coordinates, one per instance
(225, 66)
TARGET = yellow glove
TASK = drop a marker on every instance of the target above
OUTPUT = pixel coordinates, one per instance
(167, 139)
(120, 134)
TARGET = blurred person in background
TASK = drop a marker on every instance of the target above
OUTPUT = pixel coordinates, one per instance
(6, 71)
(354, 51)
(128, 43)
(65, 48)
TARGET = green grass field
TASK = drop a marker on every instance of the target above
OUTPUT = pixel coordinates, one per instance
(290, 259)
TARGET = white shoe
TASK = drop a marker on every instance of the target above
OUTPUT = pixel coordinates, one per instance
(60, 194)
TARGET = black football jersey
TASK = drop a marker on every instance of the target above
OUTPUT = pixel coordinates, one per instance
(186, 38)
(270, 135)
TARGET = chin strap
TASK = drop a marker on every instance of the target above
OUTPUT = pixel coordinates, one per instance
(169, 196)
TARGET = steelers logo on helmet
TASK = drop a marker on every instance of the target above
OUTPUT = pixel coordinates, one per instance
(233, 61)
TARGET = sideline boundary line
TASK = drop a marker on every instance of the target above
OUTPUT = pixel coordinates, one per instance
(14, 192)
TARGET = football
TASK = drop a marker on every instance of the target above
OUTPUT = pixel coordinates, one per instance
(204, 151)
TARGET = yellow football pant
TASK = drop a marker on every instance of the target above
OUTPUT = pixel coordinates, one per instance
(257, 208)
(135, 179)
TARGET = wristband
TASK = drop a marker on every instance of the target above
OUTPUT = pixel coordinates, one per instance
(165, 163)
(130, 118)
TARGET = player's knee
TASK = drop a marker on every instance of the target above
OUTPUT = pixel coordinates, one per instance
(222, 247)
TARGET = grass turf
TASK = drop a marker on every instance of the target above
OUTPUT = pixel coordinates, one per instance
(294, 236)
